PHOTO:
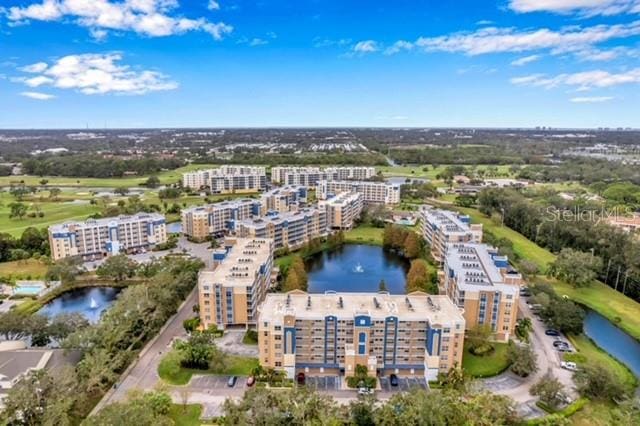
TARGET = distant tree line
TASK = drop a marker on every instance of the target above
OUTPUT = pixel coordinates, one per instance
(305, 159)
(584, 170)
(96, 166)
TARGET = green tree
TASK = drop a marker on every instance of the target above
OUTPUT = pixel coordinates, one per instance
(598, 382)
(152, 182)
(118, 267)
(549, 390)
(65, 270)
(292, 282)
(54, 193)
(41, 398)
(575, 267)
(18, 210)
(122, 191)
(297, 266)
(523, 360)
(478, 339)
(140, 409)
(564, 315)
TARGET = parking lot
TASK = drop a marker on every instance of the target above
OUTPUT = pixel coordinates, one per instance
(324, 383)
(216, 382)
(404, 383)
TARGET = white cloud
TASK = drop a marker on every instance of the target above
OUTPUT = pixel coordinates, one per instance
(525, 60)
(38, 67)
(37, 95)
(583, 80)
(257, 42)
(497, 40)
(484, 22)
(591, 99)
(213, 5)
(366, 46)
(583, 7)
(93, 74)
(399, 46)
(151, 18)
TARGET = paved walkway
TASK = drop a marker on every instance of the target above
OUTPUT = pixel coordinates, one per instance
(231, 342)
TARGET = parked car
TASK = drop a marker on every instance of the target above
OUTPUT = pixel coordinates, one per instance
(232, 381)
(564, 348)
(560, 343)
(552, 332)
(393, 380)
(365, 391)
(300, 378)
(568, 365)
(251, 381)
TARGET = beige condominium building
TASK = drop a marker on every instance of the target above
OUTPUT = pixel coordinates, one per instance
(97, 238)
(310, 176)
(215, 219)
(372, 192)
(283, 199)
(442, 227)
(290, 229)
(227, 179)
(343, 210)
(230, 293)
(332, 333)
(482, 282)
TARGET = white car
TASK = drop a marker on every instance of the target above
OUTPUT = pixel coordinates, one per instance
(365, 391)
(568, 365)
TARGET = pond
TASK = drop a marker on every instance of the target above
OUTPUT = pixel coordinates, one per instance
(90, 302)
(613, 340)
(357, 268)
(174, 228)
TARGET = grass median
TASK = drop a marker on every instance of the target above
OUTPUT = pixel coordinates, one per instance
(488, 365)
(173, 373)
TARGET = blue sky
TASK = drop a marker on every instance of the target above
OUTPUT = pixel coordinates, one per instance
(172, 63)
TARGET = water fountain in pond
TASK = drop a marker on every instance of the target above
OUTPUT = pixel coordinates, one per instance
(93, 304)
(358, 268)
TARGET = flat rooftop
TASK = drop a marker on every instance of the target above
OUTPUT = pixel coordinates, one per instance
(222, 205)
(245, 257)
(447, 220)
(415, 306)
(475, 266)
(277, 217)
(64, 227)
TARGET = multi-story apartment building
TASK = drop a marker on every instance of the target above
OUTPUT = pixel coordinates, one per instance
(290, 229)
(482, 282)
(97, 238)
(310, 176)
(283, 199)
(442, 227)
(227, 179)
(332, 333)
(372, 192)
(200, 222)
(343, 210)
(230, 293)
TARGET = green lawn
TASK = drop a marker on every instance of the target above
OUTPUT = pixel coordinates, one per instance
(23, 269)
(171, 372)
(364, 235)
(486, 366)
(188, 415)
(587, 351)
(166, 177)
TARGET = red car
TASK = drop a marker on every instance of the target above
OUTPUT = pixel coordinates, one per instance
(300, 378)
(250, 381)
